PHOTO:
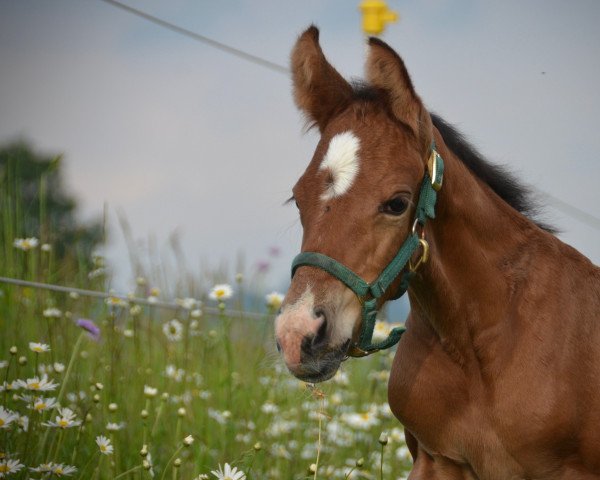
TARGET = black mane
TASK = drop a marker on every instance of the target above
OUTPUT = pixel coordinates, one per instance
(498, 177)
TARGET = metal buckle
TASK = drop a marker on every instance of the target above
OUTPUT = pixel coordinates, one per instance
(432, 168)
(357, 352)
(423, 258)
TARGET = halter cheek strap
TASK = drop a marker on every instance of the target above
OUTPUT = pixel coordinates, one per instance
(369, 293)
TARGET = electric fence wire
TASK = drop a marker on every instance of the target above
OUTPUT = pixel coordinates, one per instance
(127, 298)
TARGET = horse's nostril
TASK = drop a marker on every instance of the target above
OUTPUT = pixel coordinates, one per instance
(320, 312)
(321, 334)
(278, 346)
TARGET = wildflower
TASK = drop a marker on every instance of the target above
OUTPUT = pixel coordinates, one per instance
(42, 468)
(173, 330)
(363, 420)
(187, 441)
(90, 327)
(150, 392)
(25, 244)
(10, 386)
(221, 292)
(3, 364)
(23, 422)
(7, 417)
(39, 347)
(114, 427)
(65, 419)
(8, 467)
(228, 473)
(196, 313)
(114, 301)
(41, 404)
(38, 385)
(62, 470)
(104, 445)
(46, 247)
(187, 303)
(128, 333)
(274, 300)
(135, 310)
(175, 373)
(219, 417)
(383, 439)
(263, 266)
(269, 407)
(52, 313)
(59, 367)
(148, 465)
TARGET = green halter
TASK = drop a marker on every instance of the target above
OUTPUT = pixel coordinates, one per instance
(369, 293)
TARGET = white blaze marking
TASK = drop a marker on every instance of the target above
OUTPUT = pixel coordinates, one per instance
(341, 160)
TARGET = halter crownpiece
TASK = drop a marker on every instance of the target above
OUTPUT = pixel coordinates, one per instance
(369, 293)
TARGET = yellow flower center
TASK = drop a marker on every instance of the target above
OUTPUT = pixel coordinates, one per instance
(103, 448)
(34, 385)
(1, 422)
(365, 416)
(3, 468)
(63, 423)
(58, 471)
(40, 406)
(220, 293)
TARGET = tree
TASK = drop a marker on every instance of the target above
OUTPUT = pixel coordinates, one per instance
(35, 203)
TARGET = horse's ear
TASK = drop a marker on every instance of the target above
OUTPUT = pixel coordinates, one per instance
(319, 90)
(386, 70)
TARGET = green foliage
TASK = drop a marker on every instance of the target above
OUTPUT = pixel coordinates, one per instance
(35, 203)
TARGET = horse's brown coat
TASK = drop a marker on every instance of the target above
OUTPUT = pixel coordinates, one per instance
(498, 374)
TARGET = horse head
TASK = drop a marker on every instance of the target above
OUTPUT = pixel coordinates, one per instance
(356, 199)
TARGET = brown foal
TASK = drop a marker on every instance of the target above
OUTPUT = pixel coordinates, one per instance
(498, 373)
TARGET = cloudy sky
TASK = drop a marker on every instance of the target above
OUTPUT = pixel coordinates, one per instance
(186, 139)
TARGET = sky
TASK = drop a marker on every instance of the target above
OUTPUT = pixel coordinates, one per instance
(184, 140)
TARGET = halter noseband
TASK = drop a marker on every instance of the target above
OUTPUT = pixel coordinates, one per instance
(369, 293)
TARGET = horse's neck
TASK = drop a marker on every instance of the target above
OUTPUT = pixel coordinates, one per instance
(479, 248)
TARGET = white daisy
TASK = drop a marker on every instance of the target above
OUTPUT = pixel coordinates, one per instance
(7, 417)
(42, 468)
(150, 392)
(62, 470)
(59, 367)
(188, 303)
(187, 441)
(228, 473)
(104, 445)
(38, 385)
(8, 467)
(39, 347)
(364, 420)
(3, 363)
(114, 427)
(65, 419)
(274, 300)
(26, 244)
(221, 292)
(173, 330)
(41, 404)
(52, 313)
(10, 386)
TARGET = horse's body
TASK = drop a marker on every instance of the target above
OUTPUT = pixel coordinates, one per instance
(498, 373)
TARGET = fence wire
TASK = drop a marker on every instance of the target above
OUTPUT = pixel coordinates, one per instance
(128, 298)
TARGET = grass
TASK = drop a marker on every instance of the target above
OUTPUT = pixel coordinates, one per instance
(216, 379)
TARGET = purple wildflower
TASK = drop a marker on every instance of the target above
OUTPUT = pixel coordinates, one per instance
(274, 251)
(90, 327)
(263, 266)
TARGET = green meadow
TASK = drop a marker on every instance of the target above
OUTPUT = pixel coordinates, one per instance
(169, 380)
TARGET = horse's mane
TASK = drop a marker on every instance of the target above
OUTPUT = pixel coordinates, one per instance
(498, 177)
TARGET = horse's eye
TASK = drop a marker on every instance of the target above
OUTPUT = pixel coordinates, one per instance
(396, 206)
